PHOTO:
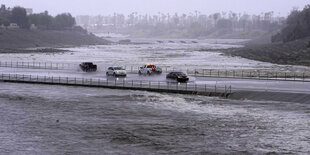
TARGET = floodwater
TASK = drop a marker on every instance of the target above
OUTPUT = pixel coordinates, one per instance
(43, 119)
(178, 54)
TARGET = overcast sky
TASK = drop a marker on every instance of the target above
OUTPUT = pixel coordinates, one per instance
(106, 7)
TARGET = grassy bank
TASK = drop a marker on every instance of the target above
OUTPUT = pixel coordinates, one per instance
(21, 38)
(294, 53)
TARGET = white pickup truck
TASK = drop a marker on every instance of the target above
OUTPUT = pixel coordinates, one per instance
(150, 69)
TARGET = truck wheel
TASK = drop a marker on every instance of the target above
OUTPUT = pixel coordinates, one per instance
(107, 73)
(148, 73)
(114, 74)
(139, 72)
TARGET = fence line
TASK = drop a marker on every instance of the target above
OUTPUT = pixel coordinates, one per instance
(250, 74)
(182, 88)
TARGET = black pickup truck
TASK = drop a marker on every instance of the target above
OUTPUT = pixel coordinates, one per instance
(88, 67)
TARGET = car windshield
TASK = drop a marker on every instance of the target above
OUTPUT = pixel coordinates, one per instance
(150, 66)
(180, 74)
(118, 68)
(88, 63)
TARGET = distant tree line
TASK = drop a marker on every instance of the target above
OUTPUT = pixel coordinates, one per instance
(297, 26)
(196, 23)
(43, 20)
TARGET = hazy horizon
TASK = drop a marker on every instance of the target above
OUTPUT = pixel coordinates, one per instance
(107, 7)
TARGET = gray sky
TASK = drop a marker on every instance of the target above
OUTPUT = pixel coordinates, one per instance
(106, 7)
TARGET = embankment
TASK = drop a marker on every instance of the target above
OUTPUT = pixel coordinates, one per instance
(291, 53)
(21, 38)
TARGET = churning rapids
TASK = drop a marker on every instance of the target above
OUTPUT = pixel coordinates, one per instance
(43, 119)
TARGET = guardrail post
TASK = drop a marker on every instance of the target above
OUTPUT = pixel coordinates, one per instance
(303, 76)
(115, 82)
(140, 84)
(123, 83)
(131, 83)
(177, 86)
(82, 81)
(149, 84)
(186, 87)
(158, 84)
(98, 82)
(91, 81)
(195, 87)
(210, 72)
(205, 87)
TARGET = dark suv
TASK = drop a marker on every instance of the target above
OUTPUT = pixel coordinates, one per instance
(88, 67)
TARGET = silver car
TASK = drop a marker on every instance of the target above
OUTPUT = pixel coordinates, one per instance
(116, 71)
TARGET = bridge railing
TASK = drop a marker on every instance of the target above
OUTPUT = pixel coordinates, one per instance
(216, 90)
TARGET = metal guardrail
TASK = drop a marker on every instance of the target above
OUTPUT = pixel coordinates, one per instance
(182, 88)
(248, 74)
(252, 74)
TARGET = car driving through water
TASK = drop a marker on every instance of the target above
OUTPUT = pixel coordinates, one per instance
(150, 69)
(88, 67)
(178, 76)
(116, 71)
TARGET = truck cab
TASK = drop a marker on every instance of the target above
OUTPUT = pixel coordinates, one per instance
(149, 69)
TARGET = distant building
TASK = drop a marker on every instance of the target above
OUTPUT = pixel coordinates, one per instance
(2, 27)
(33, 27)
(29, 11)
(13, 26)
